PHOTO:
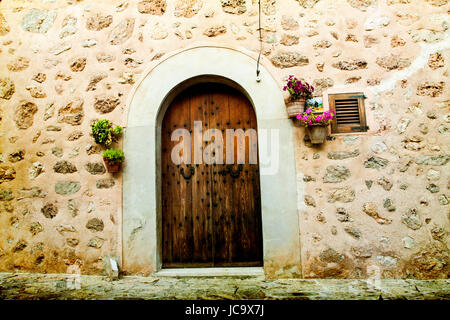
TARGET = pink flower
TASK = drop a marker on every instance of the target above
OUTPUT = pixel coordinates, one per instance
(309, 111)
(298, 116)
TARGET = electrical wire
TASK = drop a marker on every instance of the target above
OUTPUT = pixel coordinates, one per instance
(260, 39)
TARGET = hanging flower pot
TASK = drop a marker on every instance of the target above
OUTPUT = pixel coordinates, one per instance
(112, 167)
(299, 91)
(316, 124)
(295, 107)
(317, 133)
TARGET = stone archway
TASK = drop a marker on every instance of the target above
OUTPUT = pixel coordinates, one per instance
(141, 179)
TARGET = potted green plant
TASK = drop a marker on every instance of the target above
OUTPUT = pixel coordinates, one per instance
(104, 133)
(316, 124)
(113, 158)
(299, 92)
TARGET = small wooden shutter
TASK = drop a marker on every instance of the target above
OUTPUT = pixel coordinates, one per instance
(349, 111)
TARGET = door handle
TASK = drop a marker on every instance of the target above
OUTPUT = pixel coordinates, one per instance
(189, 174)
(236, 173)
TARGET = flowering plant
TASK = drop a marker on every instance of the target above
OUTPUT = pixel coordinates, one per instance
(298, 89)
(308, 118)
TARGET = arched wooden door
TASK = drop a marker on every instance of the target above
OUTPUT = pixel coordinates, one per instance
(211, 213)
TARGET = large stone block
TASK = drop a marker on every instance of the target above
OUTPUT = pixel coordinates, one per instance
(38, 20)
(98, 22)
(49, 210)
(411, 219)
(24, 114)
(187, 8)
(6, 195)
(72, 113)
(7, 88)
(350, 65)
(344, 194)
(155, 7)
(4, 27)
(67, 187)
(64, 167)
(233, 6)
(289, 59)
(122, 32)
(336, 174)
(393, 62)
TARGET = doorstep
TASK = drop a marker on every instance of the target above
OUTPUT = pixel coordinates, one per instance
(212, 272)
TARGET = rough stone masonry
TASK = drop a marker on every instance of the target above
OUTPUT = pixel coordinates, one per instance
(376, 204)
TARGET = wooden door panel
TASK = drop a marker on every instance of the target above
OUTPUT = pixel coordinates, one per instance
(213, 218)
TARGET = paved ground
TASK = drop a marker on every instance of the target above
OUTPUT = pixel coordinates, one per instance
(66, 286)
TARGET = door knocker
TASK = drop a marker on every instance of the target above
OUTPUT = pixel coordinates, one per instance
(236, 173)
(188, 175)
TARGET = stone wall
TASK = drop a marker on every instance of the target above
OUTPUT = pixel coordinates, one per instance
(375, 204)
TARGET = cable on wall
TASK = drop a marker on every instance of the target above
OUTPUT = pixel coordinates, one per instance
(258, 79)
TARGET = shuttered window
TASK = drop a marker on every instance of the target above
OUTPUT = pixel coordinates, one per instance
(350, 112)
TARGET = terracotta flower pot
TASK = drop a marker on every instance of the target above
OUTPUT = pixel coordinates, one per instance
(295, 107)
(317, 134)
(112, 167)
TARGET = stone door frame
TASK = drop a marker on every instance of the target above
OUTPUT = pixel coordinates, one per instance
(147, 103)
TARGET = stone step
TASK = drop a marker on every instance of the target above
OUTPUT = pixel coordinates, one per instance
(231, 272)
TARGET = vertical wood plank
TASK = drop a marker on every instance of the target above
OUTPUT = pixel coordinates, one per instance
(362, 114)
(170, 189)
(201, 200)
(254, 218)
(332, 106)
(221, 192)
(235, 215)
